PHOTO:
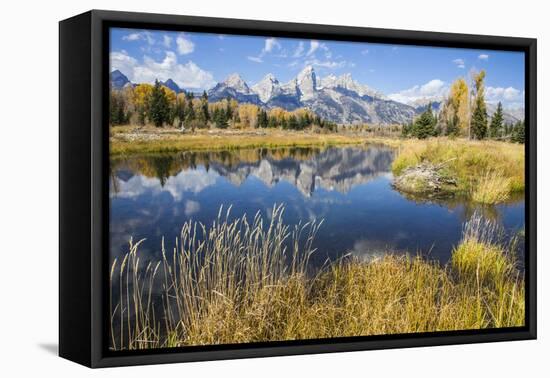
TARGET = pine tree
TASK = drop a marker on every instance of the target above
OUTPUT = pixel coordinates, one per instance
(158, 106)
(220, 119)
(453, 125)
(190, 110)
(292, 122)
(518, 133)
(406, 129)
(478, 123)
(479, 119)
(180, 109)
(262, 118)
(204, 116)
(424, 126)
(495, 129)
(272, 122)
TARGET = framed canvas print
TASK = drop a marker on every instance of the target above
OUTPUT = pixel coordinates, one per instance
(234, 188)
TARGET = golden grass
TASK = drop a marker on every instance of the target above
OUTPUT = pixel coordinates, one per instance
(124, 142)
(492, 187)
(486, 171)
(238, 282)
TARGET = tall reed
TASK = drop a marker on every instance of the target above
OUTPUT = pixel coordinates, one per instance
(239, 281)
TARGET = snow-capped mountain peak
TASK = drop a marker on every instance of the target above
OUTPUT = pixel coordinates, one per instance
(266, 88)
(346, 81)
(307, 83)
(236, 82)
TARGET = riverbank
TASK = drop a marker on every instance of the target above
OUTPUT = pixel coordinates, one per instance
(486, 172)
(212, 295)
(126, 140)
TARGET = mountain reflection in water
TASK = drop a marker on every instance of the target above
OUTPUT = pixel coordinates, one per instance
(348, 187)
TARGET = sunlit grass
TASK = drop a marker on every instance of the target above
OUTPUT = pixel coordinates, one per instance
(239, 281)
(124, 142)
(486, 171)
(492, 187)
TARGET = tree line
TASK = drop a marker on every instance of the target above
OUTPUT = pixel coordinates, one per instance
(162, 107)
(464, 113)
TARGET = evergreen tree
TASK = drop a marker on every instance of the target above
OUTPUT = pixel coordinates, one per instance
(495, 129)
(292, 122)
(262, 118)
(272, 122)
(453, 125)
(220, 119)
(478, 123)
(479, 119)
(118, 114)
(190, 110)
(424, 126)
(204, 116)
(518, 133)
(228, 110)
(180, 109)
(406, 129)
(158, 106)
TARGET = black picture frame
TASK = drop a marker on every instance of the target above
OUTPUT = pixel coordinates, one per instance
(84, 201)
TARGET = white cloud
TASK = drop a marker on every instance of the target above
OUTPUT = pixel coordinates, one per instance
(431, 91)
(191, 207)
(167, 41)
(185, 46)
(299, 50)
(364, 52)
(315, 45)
(191, 181)
(187, 75)
(140, 36)
(504, 95)
(120, 60)
(460, 63)
(131, 37)
(270, 44)
(483, 57)
(330, 64)
(294, 63)
(255, 59)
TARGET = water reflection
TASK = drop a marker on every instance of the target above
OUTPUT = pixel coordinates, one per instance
(350, 188)
(306, 168)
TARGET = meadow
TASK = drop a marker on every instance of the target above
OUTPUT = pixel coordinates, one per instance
(486, 172)
(250, 280)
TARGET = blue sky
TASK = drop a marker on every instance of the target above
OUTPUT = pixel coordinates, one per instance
(198, 60)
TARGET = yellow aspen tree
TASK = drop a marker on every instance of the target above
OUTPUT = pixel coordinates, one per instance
(459, 100)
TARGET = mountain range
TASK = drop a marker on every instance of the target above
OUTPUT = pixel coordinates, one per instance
(340, 99)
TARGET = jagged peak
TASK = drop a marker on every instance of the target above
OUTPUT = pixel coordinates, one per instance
(236, 82)
(271, 77)
(234, 78)
(307, 71)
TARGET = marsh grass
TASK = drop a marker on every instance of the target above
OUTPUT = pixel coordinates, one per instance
(488, 172)
(125, 142)
(237, 281)
(492, 187)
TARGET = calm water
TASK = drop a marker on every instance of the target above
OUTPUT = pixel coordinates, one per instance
(350, 188)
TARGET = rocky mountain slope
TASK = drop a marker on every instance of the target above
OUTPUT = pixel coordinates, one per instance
(340, 99)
